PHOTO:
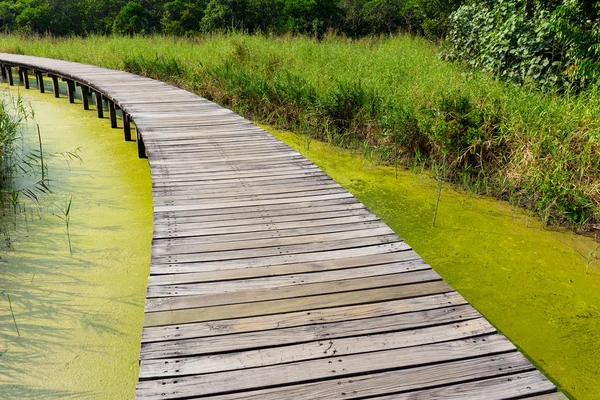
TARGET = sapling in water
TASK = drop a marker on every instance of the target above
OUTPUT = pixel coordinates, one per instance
(12, 313)
(65, 216)
(440, 174)
(590, 258)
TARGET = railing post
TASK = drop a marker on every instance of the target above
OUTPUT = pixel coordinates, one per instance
(113, 114)
(140, 145)
(126, 127)
(40, 80)
(99, 105)
(10, 75)
(70, 90)
(85, 93)
(55, 86)
(25, 78)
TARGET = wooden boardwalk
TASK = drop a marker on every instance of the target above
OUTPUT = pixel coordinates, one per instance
(269, 281)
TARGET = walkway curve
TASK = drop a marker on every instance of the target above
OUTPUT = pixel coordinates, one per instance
(269, 281)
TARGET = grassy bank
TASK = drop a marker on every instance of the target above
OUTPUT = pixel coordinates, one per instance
(393, 98)
(529, 282)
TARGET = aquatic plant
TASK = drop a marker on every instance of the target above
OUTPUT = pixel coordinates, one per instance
(65, 216)
(440, 172)
(12, 312)
(590, 258)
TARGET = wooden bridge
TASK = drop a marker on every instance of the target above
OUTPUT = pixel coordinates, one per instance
(268, 280)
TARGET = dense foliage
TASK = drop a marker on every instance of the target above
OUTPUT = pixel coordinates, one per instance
(548, 43)
(189, 17)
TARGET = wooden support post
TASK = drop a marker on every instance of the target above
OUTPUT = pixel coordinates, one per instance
(55, 86)
(126, 127)
(40, 80)
(112, 110)
(20, 70)
(70, 90)
(3, 71)
(85, 97)
(10, 76)
(99, 106)
(25, 78)
(140, 145)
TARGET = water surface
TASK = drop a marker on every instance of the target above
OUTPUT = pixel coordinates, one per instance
(80, 316)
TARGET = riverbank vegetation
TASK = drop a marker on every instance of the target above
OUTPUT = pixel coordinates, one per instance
(393, 97)
(23, 175)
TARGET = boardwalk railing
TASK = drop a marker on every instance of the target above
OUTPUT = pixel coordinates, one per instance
(269, 281)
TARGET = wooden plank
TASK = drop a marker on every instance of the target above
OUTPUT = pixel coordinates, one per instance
(322, 369)
(294, 319)
(551, 396)
(248, 203)
(173, 240)
(278, 250)
(313, 350)
(319, 332)
(510, 387)
(192, 196)
(156, 267)
(406, 380)
(333, 212)
(193, 288)
(272, 211)
(189, 251)
(405, 261)
(303, 304)
(185, 301)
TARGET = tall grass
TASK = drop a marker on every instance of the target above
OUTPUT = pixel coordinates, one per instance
(23, 179)
(391, 95)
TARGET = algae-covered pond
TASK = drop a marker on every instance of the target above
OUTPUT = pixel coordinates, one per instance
(528, 281)
(80, 316)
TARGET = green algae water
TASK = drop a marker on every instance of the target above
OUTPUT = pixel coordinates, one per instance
(79, 315)
(529, 282)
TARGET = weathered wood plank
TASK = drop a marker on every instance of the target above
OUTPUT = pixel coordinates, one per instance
(323, 369)
(359, 387)
(157, 268)
(405, 260)
(515, 386)
(173, 240)
(309, 333)
(206, 256)
(186, 288)
(303, 304)
(313, 350)
(294, 319)
(185, 301)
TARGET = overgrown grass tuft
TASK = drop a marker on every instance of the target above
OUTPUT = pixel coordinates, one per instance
(392, 96)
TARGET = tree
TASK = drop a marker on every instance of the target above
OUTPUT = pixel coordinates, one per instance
(182, 17)
(132, 19)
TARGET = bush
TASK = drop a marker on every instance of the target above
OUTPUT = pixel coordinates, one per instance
(541, 43)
